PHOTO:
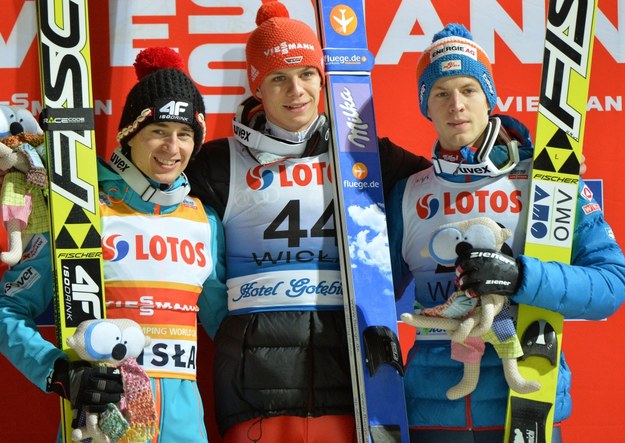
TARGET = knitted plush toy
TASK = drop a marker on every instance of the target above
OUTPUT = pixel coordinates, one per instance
(470, 321)
(24, 180)
(117, 342)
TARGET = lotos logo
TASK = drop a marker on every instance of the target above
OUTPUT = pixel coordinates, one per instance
(427, 207)
(257, 180)
(343, 20)
(483, 201)
(360, 171)
(113, 250)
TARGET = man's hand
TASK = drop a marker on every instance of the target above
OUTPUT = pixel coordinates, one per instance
(88, 388)
(486, 271)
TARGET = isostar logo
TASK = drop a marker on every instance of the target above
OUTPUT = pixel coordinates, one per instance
(298, 175)
(552, 219)
(567, 49)
(114, 248)
(154, 248)
(482, 201)
(427, 207)
(66, 76)
(358, 129)
(343, 20)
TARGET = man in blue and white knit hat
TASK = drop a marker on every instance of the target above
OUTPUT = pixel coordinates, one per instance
(482, 168)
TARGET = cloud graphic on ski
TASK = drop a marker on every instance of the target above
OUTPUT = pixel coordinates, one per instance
(370, 245)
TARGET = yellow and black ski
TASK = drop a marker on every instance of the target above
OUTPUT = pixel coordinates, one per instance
(551, 221)
(68, 119)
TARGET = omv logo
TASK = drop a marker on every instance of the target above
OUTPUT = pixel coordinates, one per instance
(427, 207)
(113, 248)
(257, 180)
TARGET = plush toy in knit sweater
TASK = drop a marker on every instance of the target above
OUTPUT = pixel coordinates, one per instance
(117, 342)
(470, 321)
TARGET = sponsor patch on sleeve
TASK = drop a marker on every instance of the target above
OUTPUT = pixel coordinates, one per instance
(587, 193)
(590, 208)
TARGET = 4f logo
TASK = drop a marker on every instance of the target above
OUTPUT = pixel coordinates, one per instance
(174, 108)
(82, 294)
(174, 111)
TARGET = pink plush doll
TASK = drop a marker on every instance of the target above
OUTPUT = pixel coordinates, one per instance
(24, 180)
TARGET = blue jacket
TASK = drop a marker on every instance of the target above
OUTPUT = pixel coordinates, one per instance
(28, 292)
(593, 287)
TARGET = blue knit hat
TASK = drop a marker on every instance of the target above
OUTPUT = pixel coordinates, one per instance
(453, 52)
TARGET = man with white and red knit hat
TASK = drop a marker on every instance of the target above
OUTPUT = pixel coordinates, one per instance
(163, 257)
(282, 367)
(481, 168)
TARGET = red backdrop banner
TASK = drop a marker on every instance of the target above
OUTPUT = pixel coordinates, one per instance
(210, 36)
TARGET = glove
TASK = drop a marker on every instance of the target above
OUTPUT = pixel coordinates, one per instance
(486, 271)
(89, 388)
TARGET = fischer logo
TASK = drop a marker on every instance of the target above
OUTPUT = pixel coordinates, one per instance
(358, 129)
(67, 86)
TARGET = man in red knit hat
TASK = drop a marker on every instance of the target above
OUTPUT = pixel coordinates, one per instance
(282, 368)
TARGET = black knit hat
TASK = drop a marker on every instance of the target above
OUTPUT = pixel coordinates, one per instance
(164, 93)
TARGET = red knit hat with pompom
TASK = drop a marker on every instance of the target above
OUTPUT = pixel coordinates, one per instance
(280, 42)
(164, 93)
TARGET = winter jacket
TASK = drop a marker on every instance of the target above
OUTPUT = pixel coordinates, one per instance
(593, 287)
(28, 292)
(279, 353)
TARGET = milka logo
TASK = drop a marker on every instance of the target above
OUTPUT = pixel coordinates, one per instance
(174, 108)
(284, 48)
(357, 128)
